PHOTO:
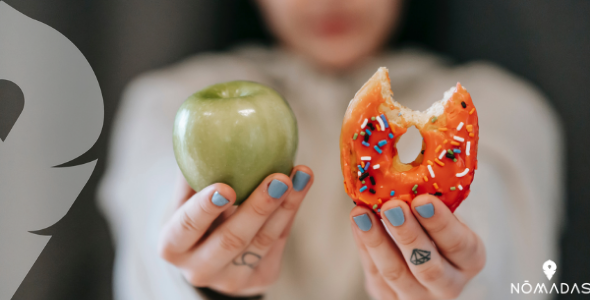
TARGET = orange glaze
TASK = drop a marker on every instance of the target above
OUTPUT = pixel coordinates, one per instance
(392, 175)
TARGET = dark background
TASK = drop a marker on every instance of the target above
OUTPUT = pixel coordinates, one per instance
(544, 41)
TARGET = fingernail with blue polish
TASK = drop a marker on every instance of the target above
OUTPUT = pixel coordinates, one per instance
(218, 200)
(300, 180)
(277, 189)
(426, 211)
(363, 222)
(395, 216)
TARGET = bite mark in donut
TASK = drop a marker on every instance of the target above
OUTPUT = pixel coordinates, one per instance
(373, 124)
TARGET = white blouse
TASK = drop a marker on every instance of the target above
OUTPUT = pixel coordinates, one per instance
(515, 206)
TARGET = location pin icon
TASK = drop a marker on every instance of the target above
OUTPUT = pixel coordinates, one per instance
(549, 268)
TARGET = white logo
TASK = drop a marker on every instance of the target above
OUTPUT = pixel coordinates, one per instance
(549, 268)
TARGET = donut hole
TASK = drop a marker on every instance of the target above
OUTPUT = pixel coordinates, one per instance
(410, 145)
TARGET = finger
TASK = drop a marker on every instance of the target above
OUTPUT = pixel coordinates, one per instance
(427, 265)
(265, 265)
(385, 254)
(234, 235)
(454, 240)
(236, 283)
(263, 255)
(193, 218)
(279, 221)
(374, 283)
(268, 270)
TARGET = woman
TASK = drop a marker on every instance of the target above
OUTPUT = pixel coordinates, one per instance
(274, 246)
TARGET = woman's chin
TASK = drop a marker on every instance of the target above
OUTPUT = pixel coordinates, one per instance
(336, 61)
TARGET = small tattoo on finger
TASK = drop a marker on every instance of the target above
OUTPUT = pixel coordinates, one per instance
(249, 259)
(419, 256)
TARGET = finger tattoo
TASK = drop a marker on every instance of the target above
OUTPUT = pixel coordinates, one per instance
(249, 259)
(419, 256)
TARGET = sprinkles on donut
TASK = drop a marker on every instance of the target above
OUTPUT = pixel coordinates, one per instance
(373, 124)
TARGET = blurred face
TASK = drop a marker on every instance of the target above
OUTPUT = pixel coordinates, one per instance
(333, 33)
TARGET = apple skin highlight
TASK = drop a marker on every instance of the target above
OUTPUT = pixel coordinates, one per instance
(236, 133)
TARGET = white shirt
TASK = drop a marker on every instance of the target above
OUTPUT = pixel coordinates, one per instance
(515, 205)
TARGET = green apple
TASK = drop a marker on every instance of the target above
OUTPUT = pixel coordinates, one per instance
(235, 133)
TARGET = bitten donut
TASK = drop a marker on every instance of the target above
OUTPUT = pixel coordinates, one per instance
(373, 124)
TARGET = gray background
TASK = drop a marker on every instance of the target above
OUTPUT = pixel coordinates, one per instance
(545, 41)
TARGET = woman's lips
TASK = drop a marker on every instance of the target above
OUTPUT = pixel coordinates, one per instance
(333, 26)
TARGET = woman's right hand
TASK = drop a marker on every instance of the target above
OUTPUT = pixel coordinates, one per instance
(234, 250)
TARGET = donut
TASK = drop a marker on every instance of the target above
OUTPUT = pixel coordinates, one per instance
(374, 123)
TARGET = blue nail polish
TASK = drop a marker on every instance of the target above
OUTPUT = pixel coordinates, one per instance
(300, 180)
(363, 222)
(218, 200)
(277, 189)
(426, 211)
(395, 216)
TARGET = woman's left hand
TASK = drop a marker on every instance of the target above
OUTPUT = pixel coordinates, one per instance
(428, 253)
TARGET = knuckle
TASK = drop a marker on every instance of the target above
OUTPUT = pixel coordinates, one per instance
(290, 205)
(263, 240)
(196, 279)
(458, 245)
(187, 223)
(432, 273)
(407, 237)
(286, 232)
(260, 209)
(231, 242)
(443, 225)
(206, 209)
(165, 253)
(375, 241)
(392, 274)
(372, 270)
